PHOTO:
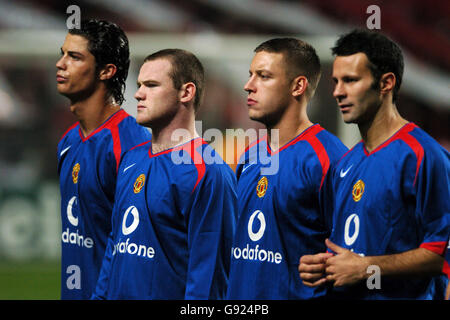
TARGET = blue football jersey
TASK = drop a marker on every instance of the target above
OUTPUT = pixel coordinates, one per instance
(279, 215)
(87, 168)
(172, 226)
(393, 199)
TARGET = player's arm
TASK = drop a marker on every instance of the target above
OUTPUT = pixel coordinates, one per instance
(347, 268)
(312, 267)
(210, 229)
(103, 278)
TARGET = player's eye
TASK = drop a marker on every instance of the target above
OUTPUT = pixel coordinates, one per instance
(350, 79)
(263, 76)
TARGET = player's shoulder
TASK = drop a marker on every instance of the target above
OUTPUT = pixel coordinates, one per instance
(416, 142)
(128, 124)
(428, 143)
(329, 139)
(331, 143)
(325, 145)
(196, 163)
(213, 162)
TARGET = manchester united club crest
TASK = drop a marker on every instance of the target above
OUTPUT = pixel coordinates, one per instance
(358, 190)
(261, 187)
(75, 171)
(139, 183)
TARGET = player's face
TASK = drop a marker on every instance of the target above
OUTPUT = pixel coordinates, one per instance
(158, 100)
(268, 88)
(75, 76)
(355, 93)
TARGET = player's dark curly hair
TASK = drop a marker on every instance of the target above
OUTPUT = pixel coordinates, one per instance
(108, 44)
(384, 55)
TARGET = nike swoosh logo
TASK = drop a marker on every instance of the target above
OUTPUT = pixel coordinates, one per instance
(246, 167)
(344, 173)
(64, 151)
(129, 167)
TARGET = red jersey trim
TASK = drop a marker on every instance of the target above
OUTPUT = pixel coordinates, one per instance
(437, 247)
(117, 147)
(404, 135)
(114, 120)
(67, 131)
(446, 269)
(417, 148)
(252, 144)
(321, 154)
(140, 145)
(310, 131)
(405, 129)
(309, 135)
(191, 148)
(112, 125)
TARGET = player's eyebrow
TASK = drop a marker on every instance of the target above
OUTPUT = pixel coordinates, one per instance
(263, 72)
(147, 82)
(73, 53)
(260, 71)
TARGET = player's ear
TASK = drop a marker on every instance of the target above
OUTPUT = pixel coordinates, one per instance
(299, 86)
(187, 92)
(387, 82)
(107, 72)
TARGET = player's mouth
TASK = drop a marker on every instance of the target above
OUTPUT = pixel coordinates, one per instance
(345, 107)
(140, 107)
(60, 78)
(251, 102)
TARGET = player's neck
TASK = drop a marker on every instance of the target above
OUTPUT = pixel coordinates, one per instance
(178, 131)
(386, 122)
(93, 111)
(293, 122)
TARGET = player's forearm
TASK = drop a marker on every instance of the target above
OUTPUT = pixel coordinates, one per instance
(416, 262)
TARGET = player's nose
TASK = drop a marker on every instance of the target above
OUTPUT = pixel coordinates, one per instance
(250, 86)
(60, 64)
(338, 91)
(139, 95)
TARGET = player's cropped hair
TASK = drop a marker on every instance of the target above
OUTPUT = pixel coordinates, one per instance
(185, 68)
(300, 57)
(384, 55)
(108, 44)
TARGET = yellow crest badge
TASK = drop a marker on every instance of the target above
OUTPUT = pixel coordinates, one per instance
(358, 190)
(262, 187)
(75, 171)
(139, 183)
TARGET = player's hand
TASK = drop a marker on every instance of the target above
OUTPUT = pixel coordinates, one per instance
(346, 267)
(312, 269)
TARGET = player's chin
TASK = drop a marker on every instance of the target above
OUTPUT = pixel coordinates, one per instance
(63, 90)
(142, 120)
(348, 118)
(255, 115)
